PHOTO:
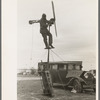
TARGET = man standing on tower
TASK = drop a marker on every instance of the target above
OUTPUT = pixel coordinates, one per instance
(44, 23)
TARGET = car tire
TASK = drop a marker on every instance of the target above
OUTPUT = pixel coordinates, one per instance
(77, 86)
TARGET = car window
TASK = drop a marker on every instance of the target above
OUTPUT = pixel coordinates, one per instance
(40, 67)
(65, 66)
(54, 67)
(50, 66)
(70, 66)
(60, 66)
(77, 67)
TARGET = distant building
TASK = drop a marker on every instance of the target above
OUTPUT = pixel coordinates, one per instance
(24, 71)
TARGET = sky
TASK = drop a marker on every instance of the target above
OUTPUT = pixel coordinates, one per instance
(76, 22)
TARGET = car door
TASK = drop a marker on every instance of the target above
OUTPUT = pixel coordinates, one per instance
(62, 72)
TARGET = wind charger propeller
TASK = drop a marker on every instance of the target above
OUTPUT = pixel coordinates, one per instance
(36, 21)
(54, 17)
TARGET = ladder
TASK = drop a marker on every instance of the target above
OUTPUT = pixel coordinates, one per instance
(47, 83)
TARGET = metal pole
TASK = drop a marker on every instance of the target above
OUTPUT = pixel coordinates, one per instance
(48, 56)
(48, 52)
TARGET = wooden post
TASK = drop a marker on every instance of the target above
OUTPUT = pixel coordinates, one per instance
(48, 55)
(48, 52)
(46, 77)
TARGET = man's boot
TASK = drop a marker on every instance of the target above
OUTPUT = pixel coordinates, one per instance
(47, 46)
(52, 46)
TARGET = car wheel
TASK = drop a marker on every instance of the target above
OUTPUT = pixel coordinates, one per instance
(77, 86)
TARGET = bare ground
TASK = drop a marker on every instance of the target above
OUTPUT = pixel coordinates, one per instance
(31, 89)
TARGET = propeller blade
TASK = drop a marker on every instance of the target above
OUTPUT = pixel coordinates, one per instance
(54, 17)
(55, 28)
(53, 10)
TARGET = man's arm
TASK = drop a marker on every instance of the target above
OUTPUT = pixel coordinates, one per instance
(34, 21)
(51, 21)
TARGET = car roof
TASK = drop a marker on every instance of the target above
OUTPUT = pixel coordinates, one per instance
(62, 62)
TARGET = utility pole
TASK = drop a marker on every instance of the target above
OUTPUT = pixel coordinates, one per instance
(46, 75)
(48, 56)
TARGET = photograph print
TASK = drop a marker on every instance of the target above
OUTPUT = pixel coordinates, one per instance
(57, 49)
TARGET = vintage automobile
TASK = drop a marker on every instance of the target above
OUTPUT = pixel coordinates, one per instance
(69, 73)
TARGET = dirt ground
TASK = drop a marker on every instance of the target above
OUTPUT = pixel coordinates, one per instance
(31, 89)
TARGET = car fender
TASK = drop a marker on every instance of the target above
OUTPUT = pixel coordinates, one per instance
(71, 80)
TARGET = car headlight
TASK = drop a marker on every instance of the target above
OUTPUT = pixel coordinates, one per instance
(86, 75)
